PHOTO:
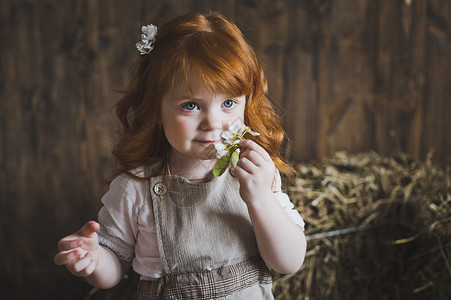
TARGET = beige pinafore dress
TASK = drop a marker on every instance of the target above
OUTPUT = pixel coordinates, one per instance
(206, 242)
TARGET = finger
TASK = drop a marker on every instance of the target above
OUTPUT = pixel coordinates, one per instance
(90, 244)
(69, 243)
(251, 145)
(246, 165)
(90, 269)
(89, 229)
(82, 263)
(64, 258)
(239, 172)
(253, 157)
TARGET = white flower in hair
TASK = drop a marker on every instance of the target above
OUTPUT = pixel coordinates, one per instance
(148, 35)
(228, 151)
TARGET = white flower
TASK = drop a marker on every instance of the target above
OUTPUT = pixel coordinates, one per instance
(228, 136)
(148, 35)
(232, 137)
(220, 150)
(253, 132)
(236, 133)
(144, 48)
(238, 129)
(228, 151)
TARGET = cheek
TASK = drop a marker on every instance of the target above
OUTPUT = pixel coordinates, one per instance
(239, 115)
(177, 128)
(242, 114)
(183, 124)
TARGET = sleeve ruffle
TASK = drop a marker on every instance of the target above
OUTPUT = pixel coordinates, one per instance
(286, 203)
(123, 253)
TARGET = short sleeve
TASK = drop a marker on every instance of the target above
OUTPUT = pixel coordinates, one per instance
(285, 202)
(118, 218)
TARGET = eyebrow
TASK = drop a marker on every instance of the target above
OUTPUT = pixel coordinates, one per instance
(191, 98)
(186, 98)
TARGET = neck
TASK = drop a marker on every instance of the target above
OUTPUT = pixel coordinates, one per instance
(195, 170)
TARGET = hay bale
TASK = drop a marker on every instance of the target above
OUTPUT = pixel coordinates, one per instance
(377, 228)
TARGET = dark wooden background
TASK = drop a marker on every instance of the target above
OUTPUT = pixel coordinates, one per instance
(350, 75)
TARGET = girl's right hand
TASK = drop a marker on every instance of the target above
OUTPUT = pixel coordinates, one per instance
(80, 251)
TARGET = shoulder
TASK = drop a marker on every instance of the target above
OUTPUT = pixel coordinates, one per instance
(127, 189)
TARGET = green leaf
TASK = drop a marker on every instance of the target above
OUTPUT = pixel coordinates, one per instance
(232, 148)
(234, 158)
(221, 165)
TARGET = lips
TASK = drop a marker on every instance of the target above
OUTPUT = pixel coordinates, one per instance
(206, 142)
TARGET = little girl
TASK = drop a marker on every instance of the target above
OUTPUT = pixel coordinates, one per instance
(188, 234)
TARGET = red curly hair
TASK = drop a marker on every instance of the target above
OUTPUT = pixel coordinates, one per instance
(212, 48)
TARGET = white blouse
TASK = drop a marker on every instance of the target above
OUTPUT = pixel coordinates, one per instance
(128, 225)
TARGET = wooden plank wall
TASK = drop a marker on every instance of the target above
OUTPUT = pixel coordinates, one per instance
(348, 75)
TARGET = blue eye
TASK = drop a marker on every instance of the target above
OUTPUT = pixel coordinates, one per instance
(190, 106)
(228, 103)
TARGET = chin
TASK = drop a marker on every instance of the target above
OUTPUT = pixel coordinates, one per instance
(207, 157)
(209, 153)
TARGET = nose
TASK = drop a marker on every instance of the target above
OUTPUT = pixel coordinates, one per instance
(211, 121)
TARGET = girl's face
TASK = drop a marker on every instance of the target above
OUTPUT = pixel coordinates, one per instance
(193, 119)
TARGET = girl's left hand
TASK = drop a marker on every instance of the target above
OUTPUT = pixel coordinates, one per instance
(255, 171)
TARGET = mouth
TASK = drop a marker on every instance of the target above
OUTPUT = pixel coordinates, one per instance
(206, 142)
